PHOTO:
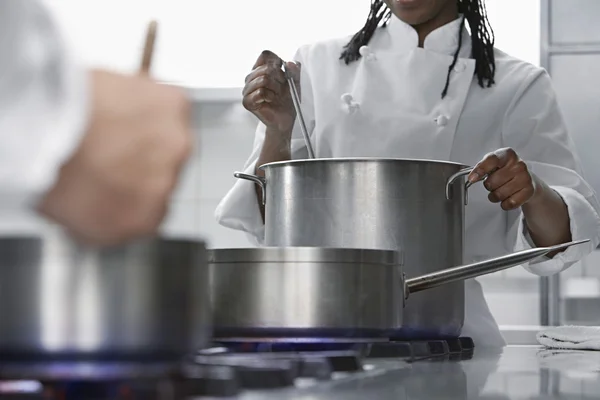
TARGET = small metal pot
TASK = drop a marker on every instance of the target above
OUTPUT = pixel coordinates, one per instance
(146, 300)
(325, 293)
(297, 292)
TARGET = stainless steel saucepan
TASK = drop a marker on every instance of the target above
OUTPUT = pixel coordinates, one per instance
(313, 292)
(59, 300)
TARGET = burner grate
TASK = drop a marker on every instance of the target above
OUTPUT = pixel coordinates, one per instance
(454, 349)
(224, 370)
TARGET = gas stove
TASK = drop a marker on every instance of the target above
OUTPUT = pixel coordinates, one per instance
(229, 369)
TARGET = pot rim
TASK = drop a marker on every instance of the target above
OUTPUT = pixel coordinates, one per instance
(362, 159)
(60, 243)
(304, 255)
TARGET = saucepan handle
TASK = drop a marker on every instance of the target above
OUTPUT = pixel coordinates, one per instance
(262, 182)
(453, 178)
(474, 270)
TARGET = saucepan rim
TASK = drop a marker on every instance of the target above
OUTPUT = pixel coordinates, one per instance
(31, 238)
(300, 254)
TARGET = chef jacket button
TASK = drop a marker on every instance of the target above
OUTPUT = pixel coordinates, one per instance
(367, 53)
(459, 67)
(352, 108)
(347, 98)
(350, 105)
(442, 120)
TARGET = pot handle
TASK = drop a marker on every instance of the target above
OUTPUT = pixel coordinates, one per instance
(474, 270)
(262, 182)
(453, 178)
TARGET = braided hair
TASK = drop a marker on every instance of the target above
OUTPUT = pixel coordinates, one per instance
(482, 39)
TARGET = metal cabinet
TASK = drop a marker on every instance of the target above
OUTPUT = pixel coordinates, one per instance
(576, 78)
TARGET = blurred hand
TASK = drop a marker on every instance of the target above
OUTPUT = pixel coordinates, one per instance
(267, 94)
(508, 179)
(117, 185)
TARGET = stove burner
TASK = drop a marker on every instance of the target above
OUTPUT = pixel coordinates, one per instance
(453, 349)
(224, 370)
(289, 346)
(299, 340)
(304, 334)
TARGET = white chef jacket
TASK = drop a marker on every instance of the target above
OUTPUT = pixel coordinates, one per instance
(43, 110)
(388, 104)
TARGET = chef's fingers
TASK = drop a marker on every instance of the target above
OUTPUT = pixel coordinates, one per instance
(268, 56)
(486, 166)
(492, 162)
(255, 100)
(263, 81)
(517, 199)
(294, 70)
(521, 180)
(506, 156)
(502, 176)
(269, 69)
(508, 189)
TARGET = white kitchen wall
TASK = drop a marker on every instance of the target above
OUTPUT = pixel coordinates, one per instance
(203, 43)
(206, 43)
(213, 44)
(225, 135)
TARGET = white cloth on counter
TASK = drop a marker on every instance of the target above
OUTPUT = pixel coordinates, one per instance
(398, 112)
(43, 109)
(570, 337)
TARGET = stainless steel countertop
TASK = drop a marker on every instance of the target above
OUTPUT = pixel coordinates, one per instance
(515, 372)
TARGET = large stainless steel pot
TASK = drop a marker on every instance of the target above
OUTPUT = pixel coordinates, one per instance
(324, 293)
(417, 206)
(144, 300)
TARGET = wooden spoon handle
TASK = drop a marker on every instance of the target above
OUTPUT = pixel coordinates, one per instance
(149, 48)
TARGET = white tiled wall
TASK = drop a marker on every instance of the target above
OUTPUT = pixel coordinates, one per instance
(225, 135)
(224, 138)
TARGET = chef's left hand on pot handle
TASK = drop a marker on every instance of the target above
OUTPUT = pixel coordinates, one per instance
(508, 178)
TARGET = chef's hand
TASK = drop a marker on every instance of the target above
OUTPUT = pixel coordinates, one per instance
(267, 95)
(117, 185)
(509, 181)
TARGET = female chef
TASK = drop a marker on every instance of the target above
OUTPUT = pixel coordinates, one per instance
(414, 83)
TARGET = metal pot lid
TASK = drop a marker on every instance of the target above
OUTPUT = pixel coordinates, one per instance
(305, 254)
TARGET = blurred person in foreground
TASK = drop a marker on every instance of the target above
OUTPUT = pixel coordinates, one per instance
(97, 152)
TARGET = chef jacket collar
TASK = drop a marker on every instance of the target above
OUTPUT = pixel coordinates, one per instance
(443, 40)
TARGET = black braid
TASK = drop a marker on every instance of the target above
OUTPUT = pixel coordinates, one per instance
(482, 39)
(454, 59)
(352, 49)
